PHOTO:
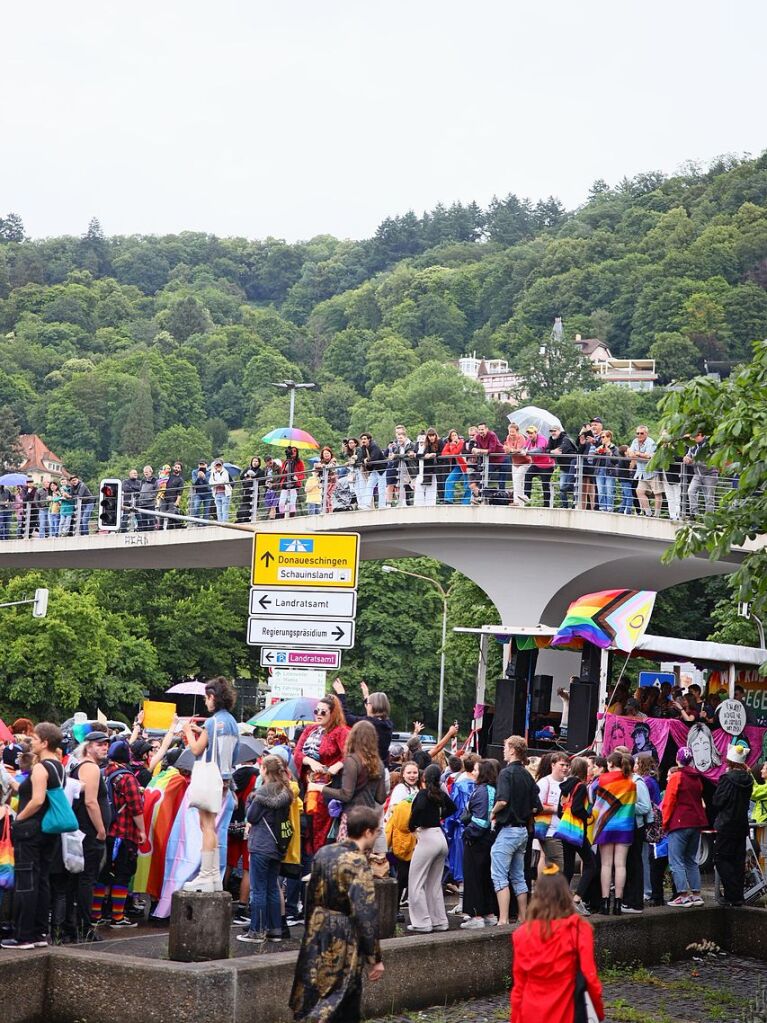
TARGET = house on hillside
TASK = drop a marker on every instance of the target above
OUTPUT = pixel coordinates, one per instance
(636, 374)
(495, 376)
(38, 461)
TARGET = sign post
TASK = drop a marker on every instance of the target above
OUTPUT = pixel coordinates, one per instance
(303, 594)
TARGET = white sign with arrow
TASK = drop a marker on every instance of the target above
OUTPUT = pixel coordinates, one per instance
(336, 634)
(304, 602)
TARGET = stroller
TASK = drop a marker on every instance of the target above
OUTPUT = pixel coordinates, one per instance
(344, 497)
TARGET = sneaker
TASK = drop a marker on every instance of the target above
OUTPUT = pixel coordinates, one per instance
(123, 925)
(41, 943)
(418, 930)
(444, 927)
(103, 921)
(476, 923)
(254, 937)
(241, 919)
(630, 909)
(582, 908)
(12, 943)
(295, 921)
(696, 900)
(491, 920)
(275, 937)
(680, 900)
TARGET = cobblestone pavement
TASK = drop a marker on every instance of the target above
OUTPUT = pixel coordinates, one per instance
(716, 988)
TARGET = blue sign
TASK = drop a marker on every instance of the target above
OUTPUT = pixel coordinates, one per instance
(296, 546)
(656, 678)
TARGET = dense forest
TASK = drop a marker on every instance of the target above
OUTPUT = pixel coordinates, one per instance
(120, 350)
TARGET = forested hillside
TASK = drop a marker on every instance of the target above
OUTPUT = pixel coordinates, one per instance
(120, 350)
(106, 343)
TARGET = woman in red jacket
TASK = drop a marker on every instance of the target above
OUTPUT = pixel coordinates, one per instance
(291, 479)
(552, 943)
(683, 818)
(319, 756)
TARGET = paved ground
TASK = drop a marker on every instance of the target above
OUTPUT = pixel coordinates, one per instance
(716, 988)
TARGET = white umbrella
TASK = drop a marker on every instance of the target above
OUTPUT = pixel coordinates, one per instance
(531, 415)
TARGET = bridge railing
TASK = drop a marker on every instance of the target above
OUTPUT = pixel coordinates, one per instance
(580, 482)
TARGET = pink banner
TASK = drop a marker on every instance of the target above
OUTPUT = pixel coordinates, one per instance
(709, 747)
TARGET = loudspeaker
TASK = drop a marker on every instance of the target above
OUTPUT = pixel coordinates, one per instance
(582, 719)
(521, 664)
(591, 657)
(542, 694)
(510, 700)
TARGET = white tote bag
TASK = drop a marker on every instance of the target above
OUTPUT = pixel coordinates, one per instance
(207, 786)
(72, 851)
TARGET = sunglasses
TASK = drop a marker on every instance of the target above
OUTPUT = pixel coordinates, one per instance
(320, 711)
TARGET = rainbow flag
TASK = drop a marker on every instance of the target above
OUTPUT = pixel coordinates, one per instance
(609, 618)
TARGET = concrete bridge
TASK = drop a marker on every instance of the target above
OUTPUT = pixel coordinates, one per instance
(531, 562)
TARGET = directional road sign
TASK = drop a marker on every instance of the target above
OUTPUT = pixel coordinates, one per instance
(337, 634)
(301, 602)
(271, 658)
(306, 559)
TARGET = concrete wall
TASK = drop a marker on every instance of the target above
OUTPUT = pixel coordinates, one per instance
(90, 986)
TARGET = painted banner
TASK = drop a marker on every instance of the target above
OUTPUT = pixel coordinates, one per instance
(709, 748)
(754, 683)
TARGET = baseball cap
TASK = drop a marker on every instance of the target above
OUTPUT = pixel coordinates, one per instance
(119, 752)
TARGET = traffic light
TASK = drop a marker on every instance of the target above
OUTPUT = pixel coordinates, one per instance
(40, 605)
(110, 504)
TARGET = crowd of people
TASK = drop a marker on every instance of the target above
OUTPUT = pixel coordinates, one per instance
(106, 827)
(589, 471)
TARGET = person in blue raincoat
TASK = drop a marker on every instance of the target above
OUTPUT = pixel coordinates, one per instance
(462, 788)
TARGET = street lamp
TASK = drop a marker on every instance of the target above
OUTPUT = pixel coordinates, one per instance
(443, 593)
(291, 387)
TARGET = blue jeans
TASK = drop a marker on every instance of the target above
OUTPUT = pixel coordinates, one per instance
(566, 487)
(265, 894)
(605, 492)
(682, 858)
(42, 523)
(222, 507)
(85, 515)
(507, 860)
(627, 498)
(457, 476)
(5, 523)
(53, 521)
(200, 507)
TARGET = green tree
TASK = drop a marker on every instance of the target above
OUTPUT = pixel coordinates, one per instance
(10, 451)
(551, 370)
(186, 444)
(676, 357)
(388, 359)
(138, 427)
(733, 412)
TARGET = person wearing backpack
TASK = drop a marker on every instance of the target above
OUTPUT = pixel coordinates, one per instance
(269, 837)
(93, 818)
(126, 833)
(574, 815)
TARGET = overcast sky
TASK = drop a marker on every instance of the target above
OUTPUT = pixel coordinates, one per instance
(299, 117)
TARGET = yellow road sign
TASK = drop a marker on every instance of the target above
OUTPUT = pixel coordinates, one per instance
(306, 559)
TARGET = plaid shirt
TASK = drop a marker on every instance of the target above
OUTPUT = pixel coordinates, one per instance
(128, 803)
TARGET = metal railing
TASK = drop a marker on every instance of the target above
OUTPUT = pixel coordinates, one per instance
(574, 482)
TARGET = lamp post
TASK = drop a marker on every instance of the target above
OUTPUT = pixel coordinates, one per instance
(443, 594)
(291, 387)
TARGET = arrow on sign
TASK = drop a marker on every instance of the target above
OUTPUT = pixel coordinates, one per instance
(264, 602)
(269, 656)
(267, 557)
(338, 632)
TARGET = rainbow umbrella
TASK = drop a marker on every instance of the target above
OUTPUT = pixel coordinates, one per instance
(289, 435)
(286, 714)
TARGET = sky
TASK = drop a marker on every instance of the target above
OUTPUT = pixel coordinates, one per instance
(302, 117)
